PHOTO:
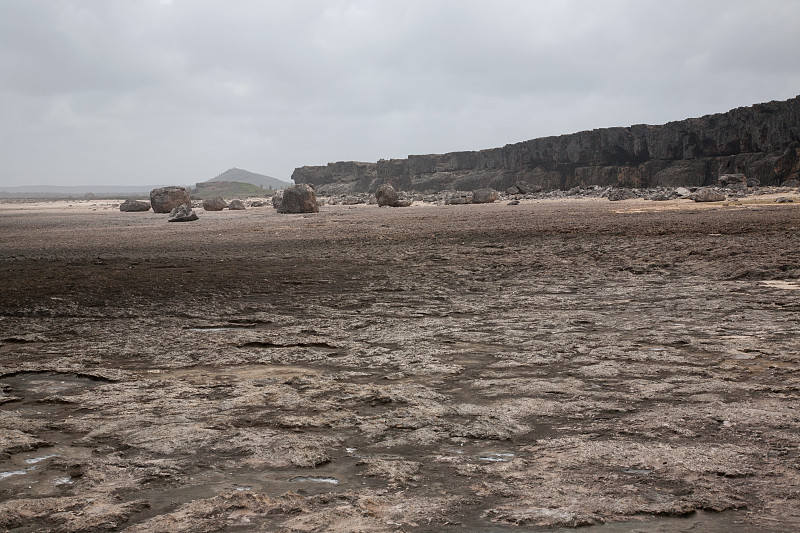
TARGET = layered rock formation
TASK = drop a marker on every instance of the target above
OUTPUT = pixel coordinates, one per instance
(762, 142)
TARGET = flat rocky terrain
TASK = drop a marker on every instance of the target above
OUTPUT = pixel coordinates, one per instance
(627, 366)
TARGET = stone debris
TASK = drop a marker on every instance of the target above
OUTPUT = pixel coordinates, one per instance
(182, 213)
(618, 194)
(134, 206)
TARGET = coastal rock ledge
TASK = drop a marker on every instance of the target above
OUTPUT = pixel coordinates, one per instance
(762, 142)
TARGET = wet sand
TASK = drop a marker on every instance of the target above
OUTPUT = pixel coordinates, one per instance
(628, 366)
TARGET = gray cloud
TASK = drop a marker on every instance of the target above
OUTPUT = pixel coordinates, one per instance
(117, 92)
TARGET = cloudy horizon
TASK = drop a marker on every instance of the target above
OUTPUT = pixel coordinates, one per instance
(108, 92)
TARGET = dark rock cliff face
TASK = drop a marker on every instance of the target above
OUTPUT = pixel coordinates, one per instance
(761, 141)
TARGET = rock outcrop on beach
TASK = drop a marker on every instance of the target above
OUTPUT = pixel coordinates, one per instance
(386, 195)
(134, 206)
(165, 199)
(762, 142)
(217, 203)
(298, 198)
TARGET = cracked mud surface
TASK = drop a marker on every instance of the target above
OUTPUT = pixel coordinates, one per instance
(631, 366)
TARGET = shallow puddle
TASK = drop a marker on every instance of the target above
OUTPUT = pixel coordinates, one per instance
(638, 471)
(779, 284)
(316, 479)
(212, 329)
(497, 457)
(707, 522)
(4, 475)
(35, 460)
(208, 374)
(42, 384)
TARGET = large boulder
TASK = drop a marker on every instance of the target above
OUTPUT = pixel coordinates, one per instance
(214, 204)
(182, 213)
(165, 199)
(732, 180)
(236, 205)
(299, 198)
(134, 206)
(484, 196)
(708, 195)
(386, 195)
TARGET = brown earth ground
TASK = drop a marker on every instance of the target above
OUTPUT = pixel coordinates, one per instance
(452, 368)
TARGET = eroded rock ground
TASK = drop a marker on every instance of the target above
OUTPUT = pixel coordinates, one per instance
(454, 368)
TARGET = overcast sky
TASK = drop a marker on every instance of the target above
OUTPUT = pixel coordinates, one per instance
(137, 92)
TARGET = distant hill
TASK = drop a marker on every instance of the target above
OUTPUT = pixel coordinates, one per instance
(249, 184)
(227, 189)
(244, 176)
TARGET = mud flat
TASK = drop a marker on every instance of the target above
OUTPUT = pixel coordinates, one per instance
(627, 366)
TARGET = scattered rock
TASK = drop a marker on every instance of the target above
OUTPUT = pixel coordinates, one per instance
(753, 182)
(182, 213)
(214, 204)
(386, 195)
(616, 195)
(790, 183)
(513, 202)
(683, 191)
(134, 206)
(783, 200)
(708, 195)
(484, 196)
(523, 187)
(526, 188)
(660, 197)
(165, 199)
(236, 205)
(459, 199)
(256, 203)
(299, 198)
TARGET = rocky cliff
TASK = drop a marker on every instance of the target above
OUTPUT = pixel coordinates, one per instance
(761, 141)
